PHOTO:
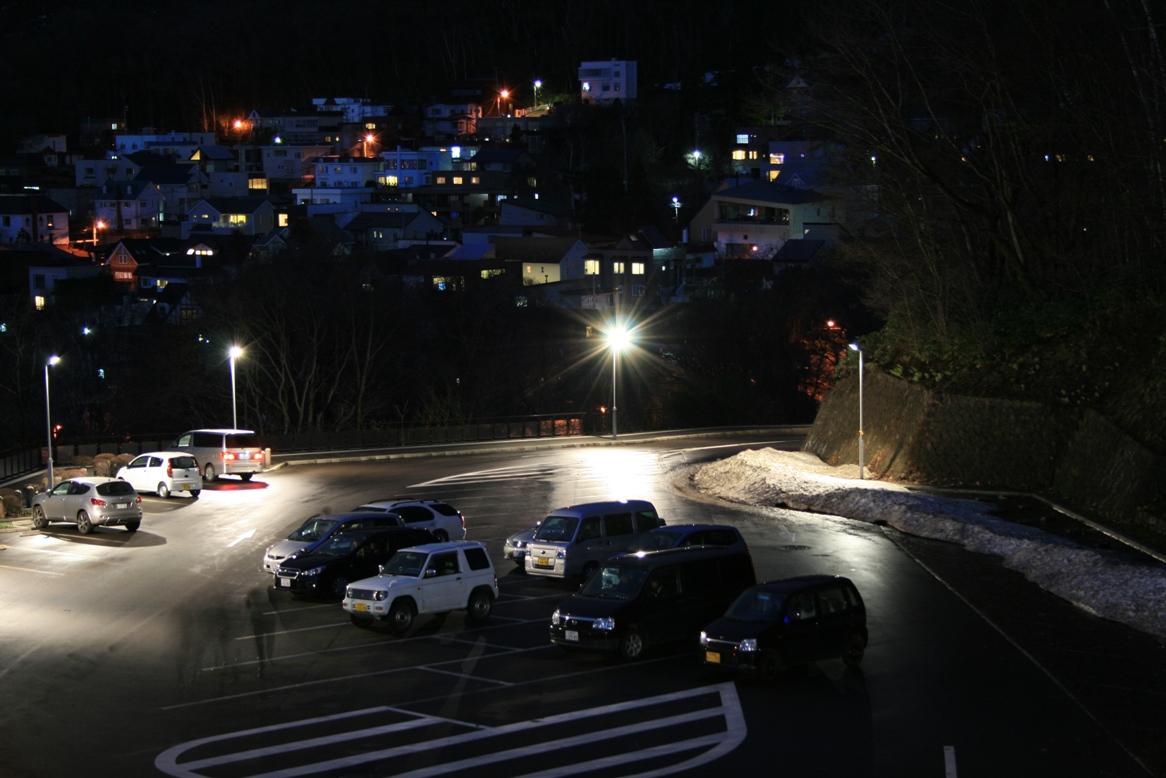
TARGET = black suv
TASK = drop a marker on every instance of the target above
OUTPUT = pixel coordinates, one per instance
(788, 623)
(347, 555)
(638, 600)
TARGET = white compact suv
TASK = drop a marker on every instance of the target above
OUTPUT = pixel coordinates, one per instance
(163, 472)
(433, 578)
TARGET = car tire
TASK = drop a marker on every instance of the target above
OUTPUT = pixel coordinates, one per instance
(84, 523)
(358, 621)
(769, 666)
(245, 477)
(39, 519)
(589, 570)
(852, 657)
(209, 473)
(163, 492)
(632, 645)
(480, 604)
(441, 535)
(337, 586)
(401, 616)
(132, 526)
(195, 493)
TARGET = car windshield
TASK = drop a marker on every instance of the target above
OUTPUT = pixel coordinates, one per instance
(557, 528)
(614, 583)
(654, 541)
(754, 605)
(313, 529)
(337, 545)
(408, 563)
(114, 489)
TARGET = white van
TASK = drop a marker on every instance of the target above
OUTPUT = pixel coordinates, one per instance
(571, 542)
(223, 452)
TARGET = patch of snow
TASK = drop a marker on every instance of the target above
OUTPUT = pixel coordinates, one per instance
(1104, 583)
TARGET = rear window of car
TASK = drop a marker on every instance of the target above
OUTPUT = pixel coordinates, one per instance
(183, 462)
(115, 489)
(242, 441)
(443, 508)
(477, 559)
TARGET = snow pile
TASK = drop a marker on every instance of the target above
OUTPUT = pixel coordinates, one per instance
(1105, 583)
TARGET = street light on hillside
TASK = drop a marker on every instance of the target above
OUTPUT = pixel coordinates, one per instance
(54, 359)
(861, 462)
(618, 339)
(234, 354)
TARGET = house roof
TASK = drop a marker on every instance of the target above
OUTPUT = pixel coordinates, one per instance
(533, 249)
(392, 221)
(19, 205)
(798, 250)
(167, 173)
(236, 204)
(765, 191)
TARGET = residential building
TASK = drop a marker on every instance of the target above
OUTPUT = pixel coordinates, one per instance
(384, 226)
(129, 207)
(33, 219)
(753, 220)
(451, 119)
(252, 216)
(290, 164)
(345, 172)
(177, 145)
(603, 83)
(410, 168)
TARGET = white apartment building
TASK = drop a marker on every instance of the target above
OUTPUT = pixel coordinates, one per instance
(605, 82)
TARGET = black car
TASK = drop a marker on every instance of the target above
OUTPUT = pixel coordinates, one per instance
(634, 601)
(347, 555)
(787, 623)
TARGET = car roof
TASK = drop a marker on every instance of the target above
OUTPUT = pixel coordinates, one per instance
(677, 528)
(90, 479)
(448, 545)
(348, 515)
(164, 454)
(396, 501)
(800, 583)
(649, 560)
(221, 430)
(588, 508)
(371, 532)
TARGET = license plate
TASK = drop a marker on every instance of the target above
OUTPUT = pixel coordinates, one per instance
(180, 487)
(121, 505)
(360, 607)
(286, 582)
(571, 635)
(712, 657)
(544, 562)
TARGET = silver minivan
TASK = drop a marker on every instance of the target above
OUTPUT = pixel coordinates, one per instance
(572, 542)
(223, 452)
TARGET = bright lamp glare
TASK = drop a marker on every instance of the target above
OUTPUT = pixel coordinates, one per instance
(619, 338)
(235, 352)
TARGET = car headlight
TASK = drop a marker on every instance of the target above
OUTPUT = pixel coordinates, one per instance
(557, 617)
(605, 624)
(748, 646)
(315, 571)
(704, 638)
(562, 554)
(380, 594)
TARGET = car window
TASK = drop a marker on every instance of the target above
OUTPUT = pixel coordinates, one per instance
(407, 563)
(65, 487)
(76, 488)
(589, 529)
(413, 514)
(617, 524)
(646, 520)
(183, 462)
(476, 558)
(803, 606)
(139, 462)
(755, 605)
(833, 600)
(155, 462)
(443, 509)
(654, 541)
(664, 583)
(313, 529)
(115, 489)
(445, 563)
(241, 441)
(183, 440)
(718, 537)
(337, 545)
(206, 440)
(614, 582)
(557, 528)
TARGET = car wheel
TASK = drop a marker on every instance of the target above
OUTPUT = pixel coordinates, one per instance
(132, 526)
(163, 492)
(209, 473)
(401, 616)
(337, 586)
(481, 602)
(441, 535)
(589, 569)
(195, 492)
(39, 519)
(854, 651)
(632, 645)
(769, 665)
(245, 476)
(84, 525)
(360, 622)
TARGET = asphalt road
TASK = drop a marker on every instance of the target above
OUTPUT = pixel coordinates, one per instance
(166, 652)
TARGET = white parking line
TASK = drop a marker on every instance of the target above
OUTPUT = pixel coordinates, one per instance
(29, 570)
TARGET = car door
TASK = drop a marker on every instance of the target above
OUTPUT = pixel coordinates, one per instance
(802, 642)
(834, 617)
(134, 471)
(662, 607)
(364, 561)
(590, 545)
(58, 505)
(445, 589)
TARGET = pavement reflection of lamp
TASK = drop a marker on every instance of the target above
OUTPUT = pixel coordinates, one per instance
(861, 463)
(234, 353)
(54, 359)
(618, 339)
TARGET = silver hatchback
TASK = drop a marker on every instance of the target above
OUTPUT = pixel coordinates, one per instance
(89, 502)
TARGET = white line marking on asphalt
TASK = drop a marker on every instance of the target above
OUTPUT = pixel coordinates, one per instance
(29, 570)
(245, 536)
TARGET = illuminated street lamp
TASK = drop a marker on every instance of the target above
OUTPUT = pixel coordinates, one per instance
(54, 359)
(369, 138)
(537, 83)
(675, 206)
(503, 96)
(861, 463)
(618, 339)
(234, 353)
(98, 224)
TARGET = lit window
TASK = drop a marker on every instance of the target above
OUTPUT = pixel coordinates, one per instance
(637, 268)
(742, 137)
(591, 267)
(441, 179)
(617, 267)
(752, 155)
(738, 154)
(776, 159)
(457, 180)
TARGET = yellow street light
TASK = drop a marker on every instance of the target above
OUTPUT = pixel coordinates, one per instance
(618, 339)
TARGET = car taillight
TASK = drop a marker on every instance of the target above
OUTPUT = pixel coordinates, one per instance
(169, 468)
(97, 502)
(228, 456)
(463, 518)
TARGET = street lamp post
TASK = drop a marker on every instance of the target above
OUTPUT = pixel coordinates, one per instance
(537, 84)
(234, 353)
(861, 462)
(54, 359)
(618, 338)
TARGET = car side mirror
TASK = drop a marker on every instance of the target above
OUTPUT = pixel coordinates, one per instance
(380, 569)
(430, 573)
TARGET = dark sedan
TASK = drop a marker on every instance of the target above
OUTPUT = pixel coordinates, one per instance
(348, 555)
